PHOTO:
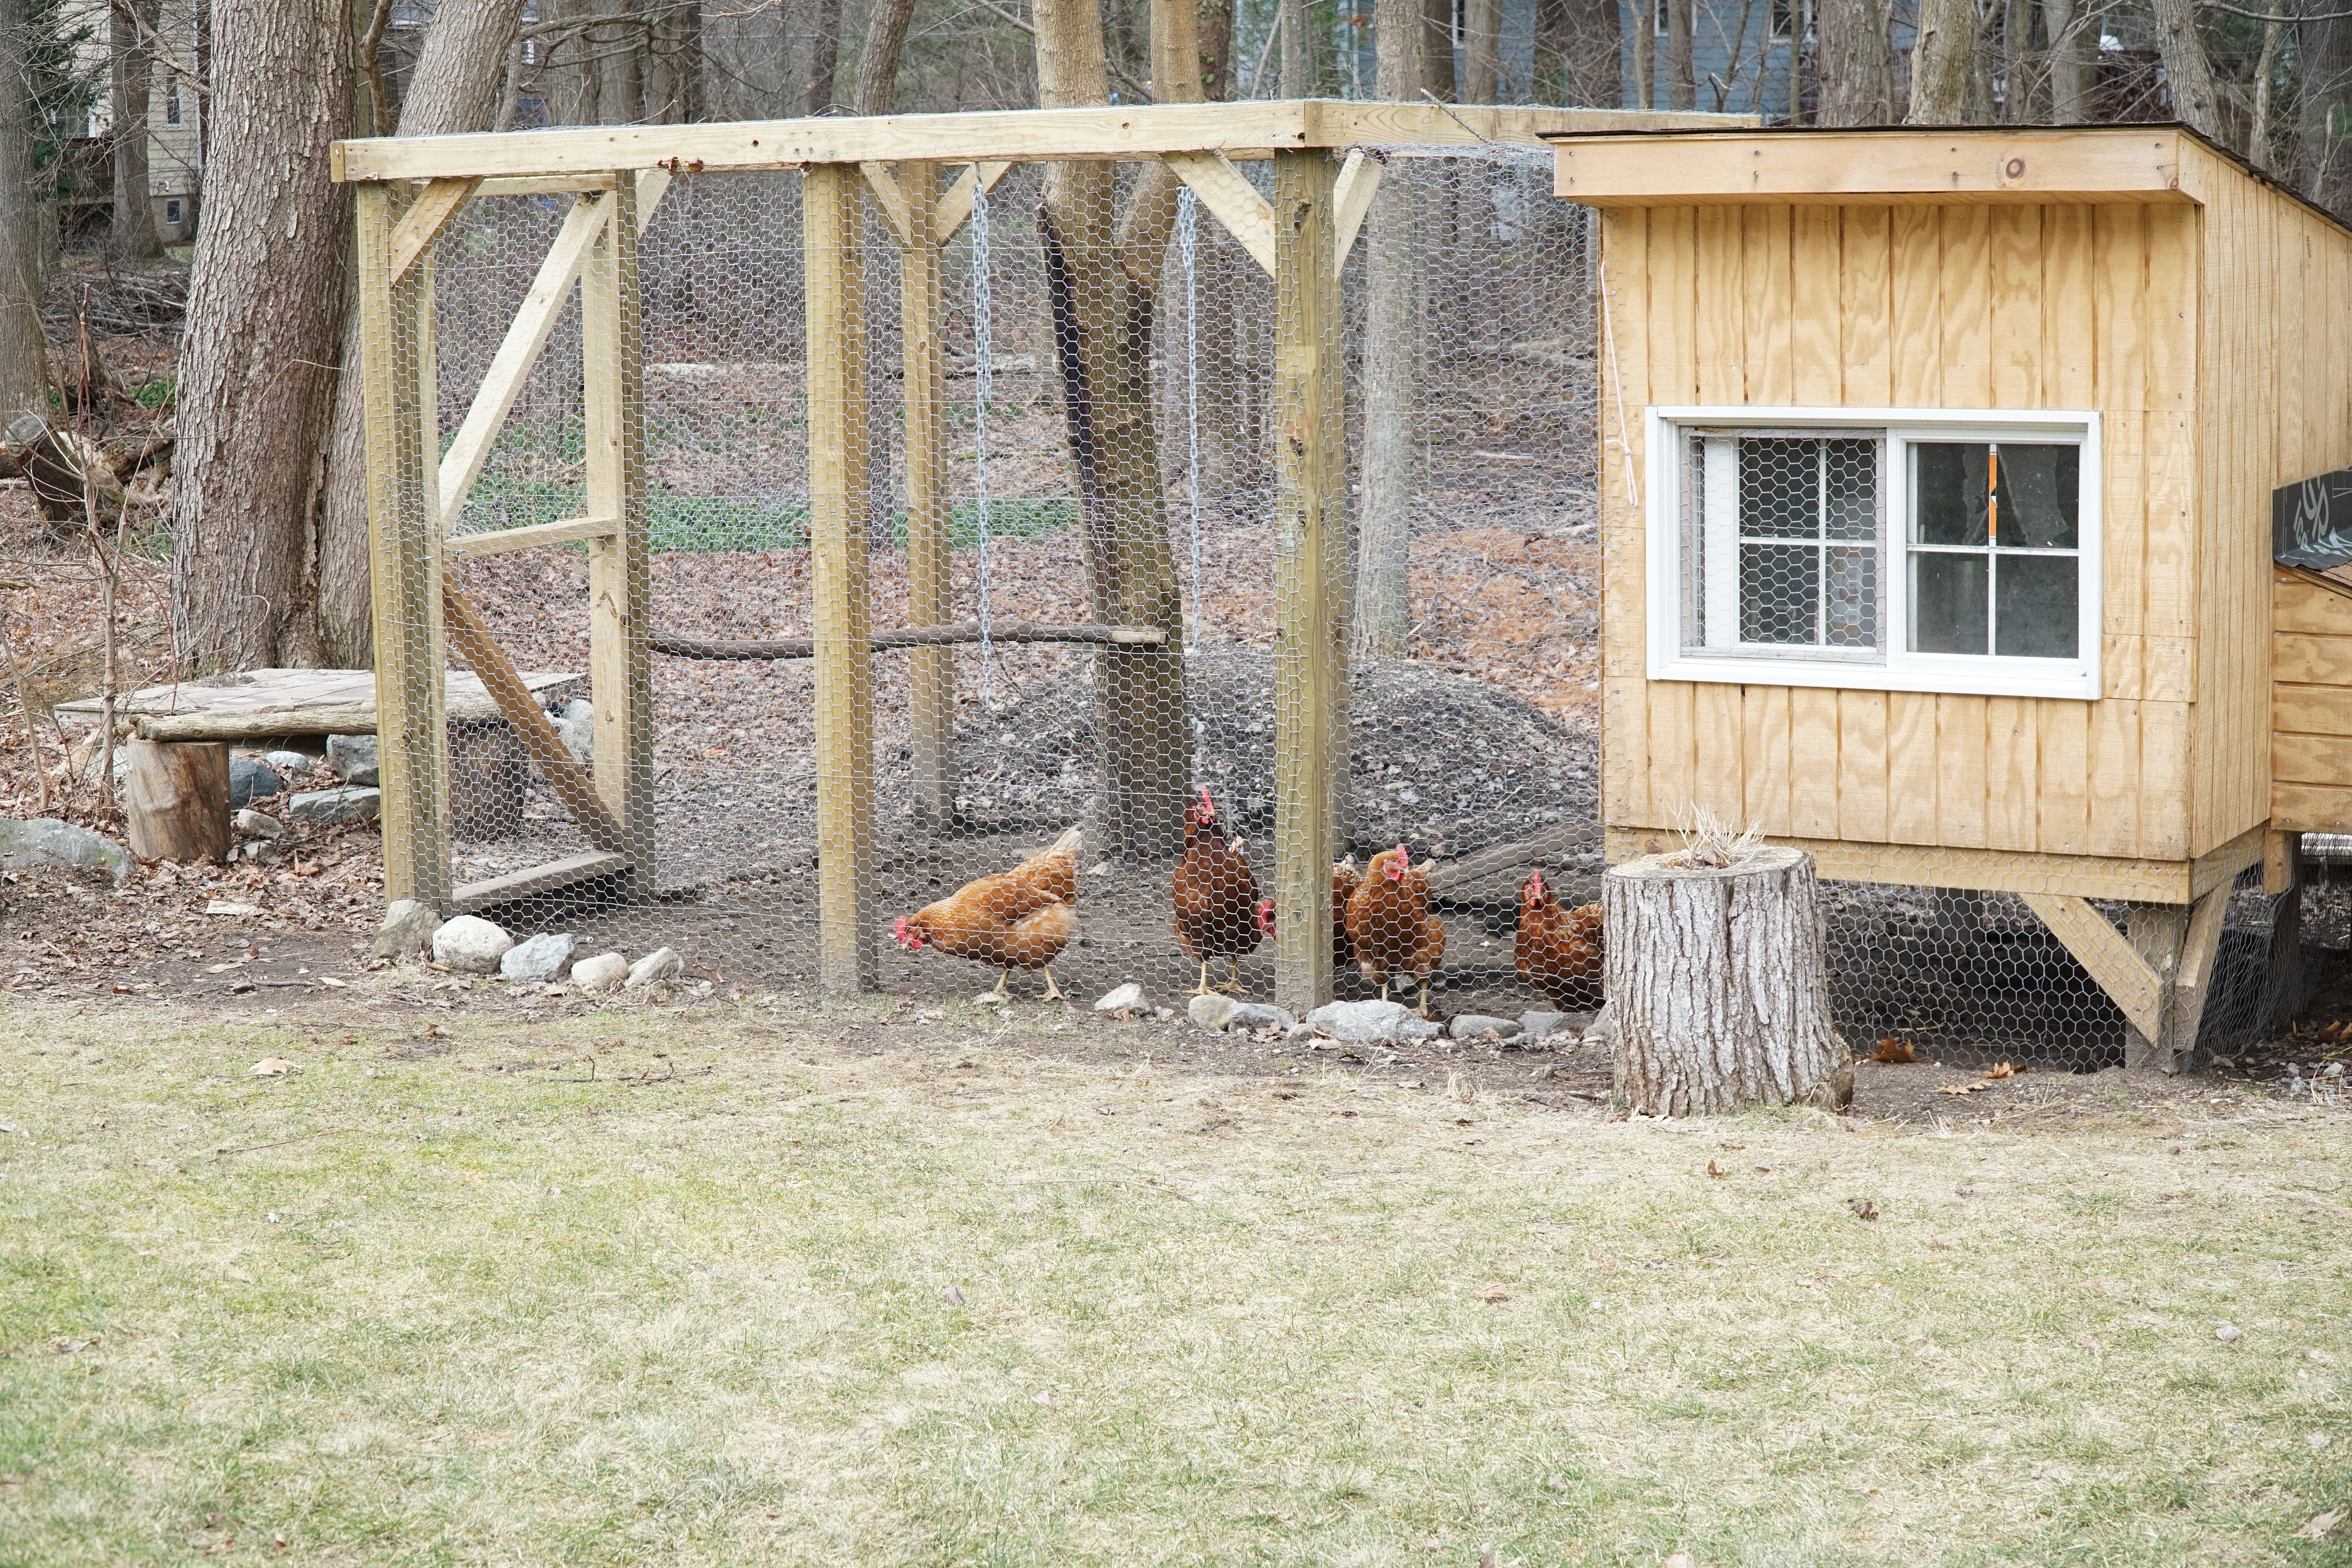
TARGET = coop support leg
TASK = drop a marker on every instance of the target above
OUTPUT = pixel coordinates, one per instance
(2283, 879)
(405, 548)
(838, 475)
(2192, 980)
(620, 675)
(1310, 532)
(2157, 970)
(930, 671)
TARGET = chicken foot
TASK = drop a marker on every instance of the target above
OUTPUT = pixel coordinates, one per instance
(1052, 991)
(1203, 989)
(1233, 984)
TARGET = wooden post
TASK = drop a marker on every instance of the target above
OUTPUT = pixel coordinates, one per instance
(619, 679)
(837, 559)
(175, 800)
(1715, 977)
(2178, 943)
(930, 671)
(405, 550)
(1310, 529)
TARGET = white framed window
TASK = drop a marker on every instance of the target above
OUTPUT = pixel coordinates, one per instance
(1895, 550)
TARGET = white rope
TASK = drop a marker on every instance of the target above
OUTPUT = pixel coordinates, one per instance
(1187, 254)
(983, 372)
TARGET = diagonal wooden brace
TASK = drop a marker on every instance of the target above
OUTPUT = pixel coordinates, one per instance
(472, 641)
(2158, 975)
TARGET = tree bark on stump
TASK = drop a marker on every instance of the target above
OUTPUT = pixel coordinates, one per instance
(175, 800)
(1716, 983)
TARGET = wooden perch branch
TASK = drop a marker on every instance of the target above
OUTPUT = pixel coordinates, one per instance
(910, 636)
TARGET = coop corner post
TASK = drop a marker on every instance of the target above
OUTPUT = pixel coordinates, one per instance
(838, 551)
(405, 564)
(619, 574)
(1310, 473)
(930, 671)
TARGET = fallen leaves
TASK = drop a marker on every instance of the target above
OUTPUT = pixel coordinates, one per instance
(272, 1066)
(1961, 1088)
(2004, 1069)
(1715, 1170)
(2322, 1526)
(1864, 1209)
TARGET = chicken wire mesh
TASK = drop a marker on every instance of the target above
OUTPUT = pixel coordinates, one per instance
(1069, 547)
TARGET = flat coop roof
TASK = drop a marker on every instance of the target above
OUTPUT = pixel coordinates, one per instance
(1905, 165)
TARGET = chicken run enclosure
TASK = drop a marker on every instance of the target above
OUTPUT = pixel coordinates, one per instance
(835, 512)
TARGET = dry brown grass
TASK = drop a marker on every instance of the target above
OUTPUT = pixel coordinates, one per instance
(436, 1300)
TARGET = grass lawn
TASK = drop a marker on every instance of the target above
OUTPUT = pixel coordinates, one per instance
(804, 1291)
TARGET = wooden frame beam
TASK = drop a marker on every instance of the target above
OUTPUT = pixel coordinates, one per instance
(498, 541)
(1359, 181)
(1121, 131)
(2118, 963)
(955, 207)
(1247, 216)
(471, 638)
(425, 218)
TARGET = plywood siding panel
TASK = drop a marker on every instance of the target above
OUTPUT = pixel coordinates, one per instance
(1861, 766)
(2164, 780)
(1764, 731)
(1812, 763)
(2061, 784)
(2013, 753)
(2309, 660)
(1632, 304)
(1717, 246)
(2311, 808)
(2114, 772)
(1960, 772)
(1911, 768)
(1967, 334)
(2019, 347)
(2310, 710)
(1814, 288)
(2069, 313)
(1716, 784)
(1674, 754)
(1916, 289)
(1672, 254)
(2312, 759)
(1626, 764)
(2118, 282)
(1867, 299)
(1766, 297)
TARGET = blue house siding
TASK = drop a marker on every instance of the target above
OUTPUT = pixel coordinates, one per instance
(1738, 72)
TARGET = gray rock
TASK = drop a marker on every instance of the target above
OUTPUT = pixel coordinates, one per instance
(259, 823)
(1602, 1032)
(601, 972)
(328, 806)
(542, 958)
(1259, 1015)
(470, 945)
(1211, 1012)
(352, 758)
(287, 764)
(1475, 1025)
(1361, 1021)
(661, 964)
(250, 780)
(1542, 1022)
(1128, 998)
(1414, 1028)
(46, 841)
(577, 726)
(407, 931)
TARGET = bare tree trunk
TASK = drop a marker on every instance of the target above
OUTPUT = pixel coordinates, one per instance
(1856, 64)
(132, 237)
(1213, 21)
(2072, 27)
(622, 51)
(824, 58)
(2324, 169)
(1297, 48)
(263, 319)
(1436, 50)
(1645, 53)
(1682, 87)
(459, 77)
(1482, 51)
(1102, 317)
(1577, 53)
(2259, 151)
(674, 63)
(1942, 61)
(878, 62)
(23, 345)
(1717, 984)
(1383, 610)
(2195, 102)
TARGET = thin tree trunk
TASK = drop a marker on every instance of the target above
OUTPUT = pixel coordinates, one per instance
(2259, 152)
(1383, 610)
(824, 58)
(263, 319)
(460, 78)
(1436, 50)
(1297, 48)
(2324, 168)
(1213, 21)
(23, 345)
(1942, 60)
(1682, 87)
(1645, 53)
(878, 62)
(1102, 319)
(2195, 102)
(1577, 53)
(129, 24)
(1482, 51)
(2072, 28)
(623, 65)
(1855, 63)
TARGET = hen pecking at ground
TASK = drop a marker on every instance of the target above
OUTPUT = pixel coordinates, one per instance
(1019, 918)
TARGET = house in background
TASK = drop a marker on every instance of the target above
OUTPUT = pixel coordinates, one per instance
(174, 121)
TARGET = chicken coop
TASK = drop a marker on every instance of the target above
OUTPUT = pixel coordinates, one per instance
(1937, 503)
(888, 498)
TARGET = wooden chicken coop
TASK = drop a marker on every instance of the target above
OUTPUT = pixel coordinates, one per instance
(1937, 507)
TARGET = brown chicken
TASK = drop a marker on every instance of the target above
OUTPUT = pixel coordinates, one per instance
(1389, 924)
(1343, 882)
(1019, 918)
(1559, 949)
(1215, 894)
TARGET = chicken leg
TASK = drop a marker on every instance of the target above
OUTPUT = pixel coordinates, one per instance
(1003, 979)
(1202, 988)
(1234, 985)
(1052, 991)
(1424, 996)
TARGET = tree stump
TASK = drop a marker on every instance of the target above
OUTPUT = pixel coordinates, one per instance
(175, 800)
(1716, 981)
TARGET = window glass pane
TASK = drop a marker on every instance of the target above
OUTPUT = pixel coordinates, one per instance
(1852, 510)
(2035, 613)
(2040, 491)
(1949, 492)
(1947, 603)
(1850, 583)
(1780, 592)
(1779, 488)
